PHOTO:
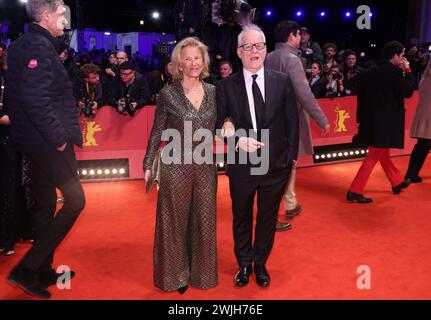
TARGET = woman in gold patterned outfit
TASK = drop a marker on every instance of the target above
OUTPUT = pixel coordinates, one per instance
(185, 250)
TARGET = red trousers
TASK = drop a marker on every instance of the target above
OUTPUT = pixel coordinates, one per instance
(374, 155)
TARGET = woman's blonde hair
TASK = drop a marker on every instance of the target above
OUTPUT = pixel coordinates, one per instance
(176, 57)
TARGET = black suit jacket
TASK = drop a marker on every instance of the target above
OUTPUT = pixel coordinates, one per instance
(281, 118)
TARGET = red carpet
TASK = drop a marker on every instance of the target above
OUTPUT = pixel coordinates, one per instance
(110, 247)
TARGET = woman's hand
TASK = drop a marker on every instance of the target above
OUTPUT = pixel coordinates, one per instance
(147, 175)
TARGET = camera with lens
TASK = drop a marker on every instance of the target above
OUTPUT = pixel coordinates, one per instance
(129, 108)
(87, 110)
(337, 76)
(353, 71)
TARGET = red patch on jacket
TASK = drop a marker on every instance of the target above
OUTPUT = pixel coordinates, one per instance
(32, 64)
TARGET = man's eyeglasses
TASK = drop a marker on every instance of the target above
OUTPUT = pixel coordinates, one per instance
(249, 46)
(126, 74)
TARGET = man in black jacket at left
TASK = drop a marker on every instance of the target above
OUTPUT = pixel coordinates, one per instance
(44, 126)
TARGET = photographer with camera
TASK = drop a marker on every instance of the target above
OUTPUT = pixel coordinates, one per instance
(88, 90)
(131, 92)
(310, 50)
(351, 73)
(334, 82)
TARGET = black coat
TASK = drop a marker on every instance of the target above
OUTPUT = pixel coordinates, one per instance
(281, 118)
(380, 112)
(41, 105)
(139, 91)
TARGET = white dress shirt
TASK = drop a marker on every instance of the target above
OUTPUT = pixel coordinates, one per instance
(249, 87)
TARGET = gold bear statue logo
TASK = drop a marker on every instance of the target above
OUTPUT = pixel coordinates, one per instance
(92, 128)
(342, 116)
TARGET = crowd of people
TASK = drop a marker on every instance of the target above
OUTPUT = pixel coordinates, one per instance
(45, 87)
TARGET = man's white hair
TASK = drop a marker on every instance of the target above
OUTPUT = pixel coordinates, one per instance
(247, 28)
(36, 7)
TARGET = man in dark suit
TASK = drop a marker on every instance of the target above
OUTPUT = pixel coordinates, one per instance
(381, 117)
(45, 128)
(261, 103)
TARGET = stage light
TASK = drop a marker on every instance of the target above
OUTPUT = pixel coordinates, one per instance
(107, 33)
(340, 154)
(323, 14)
(323, 156)
(155, 15)
(84, 172)
(99, 172)
(23, 1)
(141, 22)
(107, 171)
(362, 152)
(328, 156)
(299, 13)
(317, 157)
(268, 13)
(371, 14)
(221, 164)
(348, 14)
(346, 154)
(92, 172)
(122, 171)
(114, 171)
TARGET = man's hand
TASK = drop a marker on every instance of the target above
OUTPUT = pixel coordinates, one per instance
(62, 147)
(147, 175)
(325, 130)
(404, 64)
(228, 129)
(121, 105)
(5, 120)
(81, 104)
(249, 144)
(110, 72)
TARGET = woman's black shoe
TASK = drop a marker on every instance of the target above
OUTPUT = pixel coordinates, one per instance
(397, 189)
(356, 197)
(183, 289)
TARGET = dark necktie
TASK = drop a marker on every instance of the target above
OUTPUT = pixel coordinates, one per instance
(259, 104)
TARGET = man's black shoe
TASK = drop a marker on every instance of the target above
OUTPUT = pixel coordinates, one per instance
(50, 277)
(242, 276)
(409, 180)
(262, 276)
(356, 197)
(27, 280)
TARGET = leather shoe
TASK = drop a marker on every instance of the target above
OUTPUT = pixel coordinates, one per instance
(356, 197)
(262, 276)
(282, 226)
(242, 276)
(397, 189)
(50, 277)
(294, 212)
(26, 279)
(409, 180)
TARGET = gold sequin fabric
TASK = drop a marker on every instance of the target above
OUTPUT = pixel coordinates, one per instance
(185, 245)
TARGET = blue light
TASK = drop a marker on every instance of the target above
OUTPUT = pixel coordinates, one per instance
(322, 14)
(268, 13)
(371, 14)
(348, 14)
(299, 13)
